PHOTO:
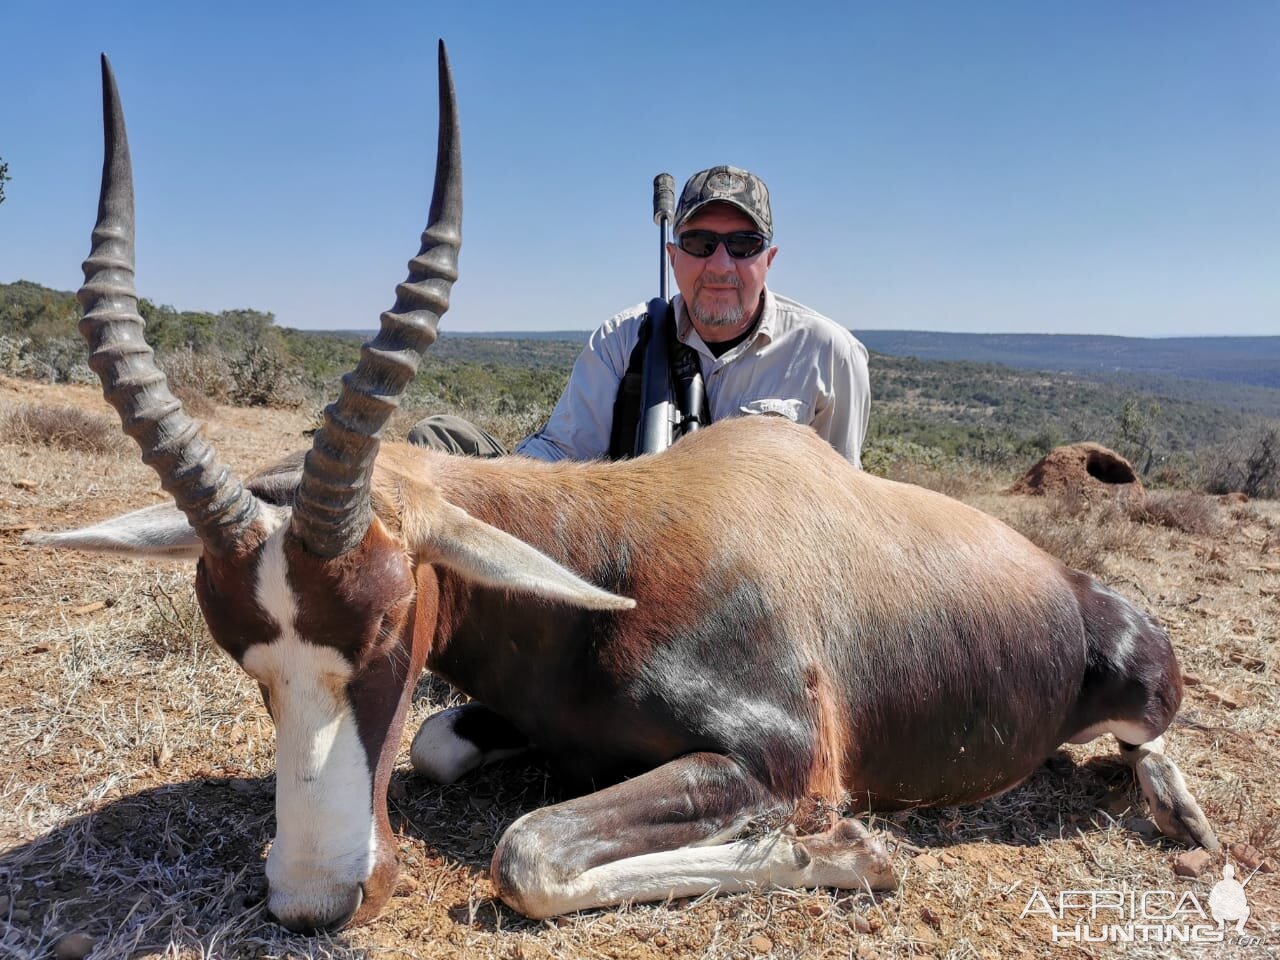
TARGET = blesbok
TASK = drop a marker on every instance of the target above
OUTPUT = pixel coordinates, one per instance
(742, 630)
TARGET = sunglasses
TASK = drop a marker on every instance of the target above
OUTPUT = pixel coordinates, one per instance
(741, 244)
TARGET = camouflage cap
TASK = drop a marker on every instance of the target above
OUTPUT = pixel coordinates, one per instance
(731, 185)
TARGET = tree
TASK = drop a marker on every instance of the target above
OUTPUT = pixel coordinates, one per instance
(1137, 432)
(4, 175)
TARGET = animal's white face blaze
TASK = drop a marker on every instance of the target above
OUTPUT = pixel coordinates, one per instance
(325, 840)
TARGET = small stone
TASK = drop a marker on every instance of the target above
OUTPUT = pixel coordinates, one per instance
(73, 946)
(20, 916)
(930, 917)
(861, 924)
(926, 861)
(761, 944)
(1248, 856)
(948, 860)
(1191, 679)
(1193, 863)
(660, 940)
(866, 951)
(815, 909)
(406, 886)
(4, 904)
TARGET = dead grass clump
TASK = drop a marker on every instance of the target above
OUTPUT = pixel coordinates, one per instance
(67, 428)
(952, 481)
(1080, 532)
(1180, 510)
(173, 623)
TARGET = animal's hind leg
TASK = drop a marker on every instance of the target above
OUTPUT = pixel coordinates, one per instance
(460, 739)
(1173, 808)
(663, 835)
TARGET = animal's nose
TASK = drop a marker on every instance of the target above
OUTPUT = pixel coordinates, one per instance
(336, 914)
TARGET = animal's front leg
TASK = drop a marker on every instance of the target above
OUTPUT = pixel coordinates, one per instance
(461, 739)
(663, 835)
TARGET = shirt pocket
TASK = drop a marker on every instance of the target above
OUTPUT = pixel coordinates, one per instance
(795, 410)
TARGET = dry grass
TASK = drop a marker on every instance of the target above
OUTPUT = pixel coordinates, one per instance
(64, 427)
(136, 786)
(1182, 510)
(1082, 533)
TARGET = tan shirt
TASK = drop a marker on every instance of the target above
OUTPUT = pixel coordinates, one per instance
(797, 364)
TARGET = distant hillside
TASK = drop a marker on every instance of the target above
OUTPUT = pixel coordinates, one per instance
(924, 408)
(1252, 360)
(1239, 373)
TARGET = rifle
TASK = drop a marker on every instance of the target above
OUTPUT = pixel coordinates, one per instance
(672, 396)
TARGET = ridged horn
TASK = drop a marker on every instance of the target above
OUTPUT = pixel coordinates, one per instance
(332, 511)
(217, 506)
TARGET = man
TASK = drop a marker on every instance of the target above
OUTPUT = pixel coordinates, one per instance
(759, 353)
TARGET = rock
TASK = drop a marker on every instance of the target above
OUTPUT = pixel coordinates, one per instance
(1193, 863)
(815, 909)
(862, 924)
(406, 886)
(926, 862)
(929, 916)
(1250, 857)
(761, 944)
(1191, 679)
(73, 946)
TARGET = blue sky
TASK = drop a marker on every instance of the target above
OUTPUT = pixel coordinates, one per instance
(1051, 167)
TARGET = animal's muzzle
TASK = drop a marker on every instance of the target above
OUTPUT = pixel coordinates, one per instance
(333, 917)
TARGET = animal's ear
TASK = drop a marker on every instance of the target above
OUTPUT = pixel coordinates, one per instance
(494, 558)
(160, 532)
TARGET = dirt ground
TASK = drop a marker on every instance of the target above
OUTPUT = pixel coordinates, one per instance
(137, 779)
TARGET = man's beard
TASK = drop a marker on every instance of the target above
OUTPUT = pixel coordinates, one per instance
(720, 314)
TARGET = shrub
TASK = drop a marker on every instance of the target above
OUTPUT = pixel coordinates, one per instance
(198, 379)
(57, 359)
(1179, 510)
(265, 376)
(883, 455)
(1249, 463)
(1080, 533)
(67, 428)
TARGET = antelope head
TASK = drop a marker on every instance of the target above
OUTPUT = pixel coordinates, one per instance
(315, 596)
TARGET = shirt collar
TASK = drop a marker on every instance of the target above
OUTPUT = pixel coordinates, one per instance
(686, 333)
